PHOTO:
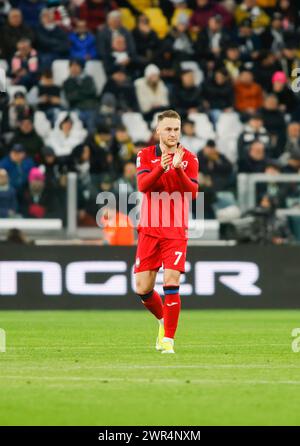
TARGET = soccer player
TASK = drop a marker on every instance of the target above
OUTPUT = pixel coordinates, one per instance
(167, 175)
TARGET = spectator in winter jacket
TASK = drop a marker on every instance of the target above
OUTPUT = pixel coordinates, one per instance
(288, 102)
(49, 100)
(67, 134)
(24, 64)
(206, 9)
(255, 160)
(13, 31)
(254, 130)
(248, 9)
(121, 87)
(80, 92)
(248, 94)
(8, 200)
(218, 94)
(152, 93)
(215, 165)
(83, 43)
(27, 137)
(52, 41)
(104, 37)
(38, 201)
(186, 96)
(275, 124)
(31, 10)
(146, 41)
(17, 165)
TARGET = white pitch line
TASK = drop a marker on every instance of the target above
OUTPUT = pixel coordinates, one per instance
(138, 346)
(158, 366)
(106, 380)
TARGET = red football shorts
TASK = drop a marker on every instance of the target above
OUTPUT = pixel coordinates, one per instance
(153, 252)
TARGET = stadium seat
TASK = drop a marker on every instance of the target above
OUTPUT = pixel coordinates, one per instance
(141, 5)
(179, 12)
(12, 89)
(41, 124)
(203, 126)
(60, 70)
(158, 21)
(228, 146)
(228, 125)
(136, 126)
(95, 69)
(128, 19)
(193, 66)
(4, 65)
(228, 130)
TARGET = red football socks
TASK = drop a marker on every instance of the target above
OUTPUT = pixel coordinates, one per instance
(153, 302)
(172, 307)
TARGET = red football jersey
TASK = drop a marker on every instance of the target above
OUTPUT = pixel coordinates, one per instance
(161, 215)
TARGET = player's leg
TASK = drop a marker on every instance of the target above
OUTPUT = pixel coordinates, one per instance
(148, 262)
(174, 255)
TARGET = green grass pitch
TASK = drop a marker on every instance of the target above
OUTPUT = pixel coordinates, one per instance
(100, 368)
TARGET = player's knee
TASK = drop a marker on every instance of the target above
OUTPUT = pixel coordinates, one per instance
(142, 289)
(145, 296)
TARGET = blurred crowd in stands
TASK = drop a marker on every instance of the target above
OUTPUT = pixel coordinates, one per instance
(85, 80)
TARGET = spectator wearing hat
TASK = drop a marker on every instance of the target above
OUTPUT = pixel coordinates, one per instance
(186, 97)
(206, 9)
(38, 201)
(248, 94)
(288, 102)
(26, 136)
(65, 135)
(211, 40)
(8, 199)
(80, 92)
(12, 32)
(121, 87)
(83, 42)
(146, 41)
(24, 64)
(181, 11)
(17, 165)
(152, 93)
(248, 9)
(52, 41)
(218, 94)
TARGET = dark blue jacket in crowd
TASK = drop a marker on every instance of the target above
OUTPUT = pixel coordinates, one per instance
(82, 46)
(18, 173)
(31, 11)
(8, 202)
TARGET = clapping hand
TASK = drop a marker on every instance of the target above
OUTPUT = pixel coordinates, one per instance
(177, 159)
